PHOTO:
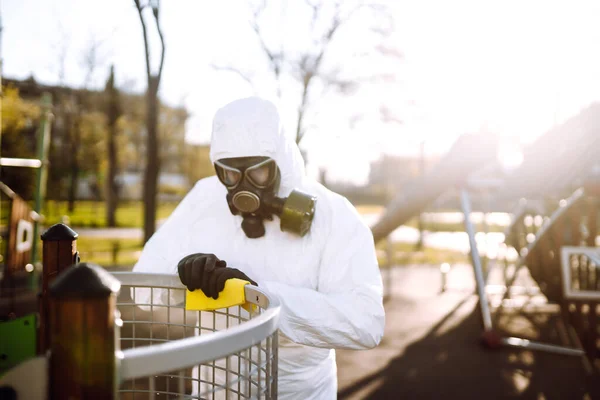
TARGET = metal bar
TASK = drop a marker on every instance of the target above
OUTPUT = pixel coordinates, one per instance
(151, 315)
(227, 363)
(168, 329)
(275, 364)
(20, 162)
(239, 355)
(214, 326)
(483, 302)
(181, 382)
(227, 380)
(259, 369)
(42, 172)
(565, 253)
(550, 348)
(152, 387)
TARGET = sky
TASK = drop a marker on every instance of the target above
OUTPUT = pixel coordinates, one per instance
(514, 68)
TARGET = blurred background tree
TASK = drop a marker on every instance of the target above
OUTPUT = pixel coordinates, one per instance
(113, 112)
(152, 168)
(302, 70)
(19, 126)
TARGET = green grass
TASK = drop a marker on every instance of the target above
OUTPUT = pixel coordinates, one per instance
(101, 250)
(432, 226)
(93, 213)
(98, 245)
(107, 261)
(407, 254)
(452, 227)
(129, 214)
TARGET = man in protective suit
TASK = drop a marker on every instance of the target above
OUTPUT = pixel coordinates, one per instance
(261, 219)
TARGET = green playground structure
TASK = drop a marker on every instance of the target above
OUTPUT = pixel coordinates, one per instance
(19, 279)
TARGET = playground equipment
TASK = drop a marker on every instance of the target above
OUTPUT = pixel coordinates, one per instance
(466, 155)
(159, 348)
(18, 280)
(581, 288)
(556, 240)
(564, 260)
(491, 338)
(538, 235)
(19, 235)
(41, 164)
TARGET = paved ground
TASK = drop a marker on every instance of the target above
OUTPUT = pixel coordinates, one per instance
(431, 350)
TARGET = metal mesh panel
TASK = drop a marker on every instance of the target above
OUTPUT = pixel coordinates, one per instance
(581, 282)
(155, 314)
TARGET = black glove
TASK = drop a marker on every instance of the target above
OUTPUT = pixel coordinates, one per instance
(207, 273)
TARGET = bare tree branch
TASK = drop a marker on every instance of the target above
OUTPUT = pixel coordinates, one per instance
(90, 61)
(390, 51)
(308, 65)
(310, 68)
(236, 71)
(145, 33)
(61, 48)
(387, 115)
(275, 59)
(155, 10)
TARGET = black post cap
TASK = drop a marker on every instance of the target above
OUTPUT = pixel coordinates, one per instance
(84, 280)
(59, 232)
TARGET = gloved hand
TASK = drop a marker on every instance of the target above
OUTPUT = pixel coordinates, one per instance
(207, 273)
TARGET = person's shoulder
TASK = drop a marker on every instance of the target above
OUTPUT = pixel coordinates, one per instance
(208, 183)
(207, 188)
(204, 194)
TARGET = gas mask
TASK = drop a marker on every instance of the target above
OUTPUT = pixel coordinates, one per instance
(252, 184)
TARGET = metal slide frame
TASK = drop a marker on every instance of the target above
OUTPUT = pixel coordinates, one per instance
(492, 338)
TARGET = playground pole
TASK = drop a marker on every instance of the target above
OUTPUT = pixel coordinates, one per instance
(43, 145)
(1, 90)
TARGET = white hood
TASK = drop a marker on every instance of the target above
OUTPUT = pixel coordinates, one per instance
(252, 127)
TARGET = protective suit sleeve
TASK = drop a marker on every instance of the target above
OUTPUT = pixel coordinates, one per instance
(346, 311)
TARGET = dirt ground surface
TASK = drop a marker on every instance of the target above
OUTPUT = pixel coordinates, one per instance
(431, 349)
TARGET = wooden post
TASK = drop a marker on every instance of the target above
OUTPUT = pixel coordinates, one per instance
(83, 334)
(59, 253)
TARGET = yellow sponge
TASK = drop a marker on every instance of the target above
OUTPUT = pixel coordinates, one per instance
(232, 295)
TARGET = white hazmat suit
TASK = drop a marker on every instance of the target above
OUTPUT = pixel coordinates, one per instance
(328, 282)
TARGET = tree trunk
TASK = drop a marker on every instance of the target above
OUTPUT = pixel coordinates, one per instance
(152, 163)
(74, 168)
(113, 111)
(112, 190)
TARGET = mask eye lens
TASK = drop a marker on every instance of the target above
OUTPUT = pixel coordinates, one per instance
(229, 177)
(263, 174)
(260, 175)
